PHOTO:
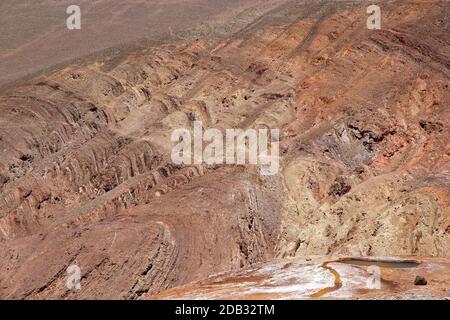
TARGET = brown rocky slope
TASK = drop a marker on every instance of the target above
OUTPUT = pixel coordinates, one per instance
(86, 175)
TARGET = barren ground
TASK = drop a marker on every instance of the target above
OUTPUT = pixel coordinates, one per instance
(86, 176)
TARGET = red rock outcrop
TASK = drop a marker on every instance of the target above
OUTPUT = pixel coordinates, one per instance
(86, 175)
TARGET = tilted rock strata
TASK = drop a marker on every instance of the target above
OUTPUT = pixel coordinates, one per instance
(86, 175)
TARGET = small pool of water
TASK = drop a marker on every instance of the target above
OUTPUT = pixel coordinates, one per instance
(393, 264)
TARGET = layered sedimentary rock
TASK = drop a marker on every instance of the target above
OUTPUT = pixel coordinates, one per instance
(326, 278)
(86, 176)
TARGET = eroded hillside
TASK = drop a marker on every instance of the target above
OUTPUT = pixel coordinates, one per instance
(86, 175)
